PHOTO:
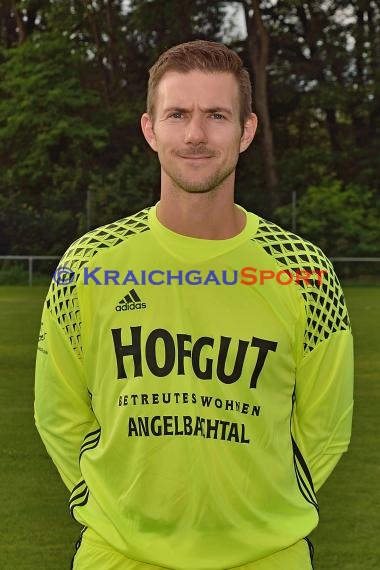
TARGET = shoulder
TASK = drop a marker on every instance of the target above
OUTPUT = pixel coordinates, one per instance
(62, 299)
(288, 249)
(107, 236)
(314, 278)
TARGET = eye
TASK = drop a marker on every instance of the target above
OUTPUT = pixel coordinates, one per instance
(218, 116)
(176, 115)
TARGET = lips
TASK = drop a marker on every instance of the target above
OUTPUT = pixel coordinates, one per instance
(195, 157)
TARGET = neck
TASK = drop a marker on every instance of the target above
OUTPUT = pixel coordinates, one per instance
(209, 215)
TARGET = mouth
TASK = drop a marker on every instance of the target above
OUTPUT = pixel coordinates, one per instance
(195, 157)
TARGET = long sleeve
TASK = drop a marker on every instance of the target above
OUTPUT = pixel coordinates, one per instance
(63, 413)
(323, 404)
(323, 353)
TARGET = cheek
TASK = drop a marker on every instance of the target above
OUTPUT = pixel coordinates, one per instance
(167, 141)
(165, 153)
(234, 147)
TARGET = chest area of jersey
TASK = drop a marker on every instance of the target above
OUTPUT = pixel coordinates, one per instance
(185, 336)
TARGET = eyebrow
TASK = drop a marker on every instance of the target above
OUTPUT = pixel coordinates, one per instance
(208, 110)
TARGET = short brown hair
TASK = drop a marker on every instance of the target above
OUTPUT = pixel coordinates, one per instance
(204, 56)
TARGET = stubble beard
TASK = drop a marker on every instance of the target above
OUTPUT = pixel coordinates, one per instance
(212, 182)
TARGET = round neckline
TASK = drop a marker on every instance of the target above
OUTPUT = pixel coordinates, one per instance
(191, 248)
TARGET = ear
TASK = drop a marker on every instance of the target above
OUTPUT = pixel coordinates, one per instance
(249, 131)
(147, 129)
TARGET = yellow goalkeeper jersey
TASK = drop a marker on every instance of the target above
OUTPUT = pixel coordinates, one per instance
(194, 394)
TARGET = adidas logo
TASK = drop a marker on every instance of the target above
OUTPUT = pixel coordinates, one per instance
(130, 302)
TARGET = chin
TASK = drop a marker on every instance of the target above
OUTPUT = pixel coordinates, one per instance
(201, 187)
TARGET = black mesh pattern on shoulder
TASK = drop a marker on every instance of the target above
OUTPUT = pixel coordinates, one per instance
(325, 306)
(62, 300)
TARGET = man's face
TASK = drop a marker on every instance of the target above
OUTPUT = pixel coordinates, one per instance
(196, 130)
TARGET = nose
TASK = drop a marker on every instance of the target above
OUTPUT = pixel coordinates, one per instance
(196, 131)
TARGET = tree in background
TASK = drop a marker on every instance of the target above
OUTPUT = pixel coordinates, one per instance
(258, 43)
(343, 219)
(73, 81)
(52, 132)
(73, 77)
(317, 66)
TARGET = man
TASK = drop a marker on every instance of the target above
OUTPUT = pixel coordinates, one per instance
(194, 381)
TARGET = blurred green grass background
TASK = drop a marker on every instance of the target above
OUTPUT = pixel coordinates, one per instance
(36, 530)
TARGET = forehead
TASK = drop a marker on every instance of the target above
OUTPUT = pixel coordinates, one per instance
(209, 90)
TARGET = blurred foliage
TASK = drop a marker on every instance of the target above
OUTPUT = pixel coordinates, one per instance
(73, 76)
(342, 220)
